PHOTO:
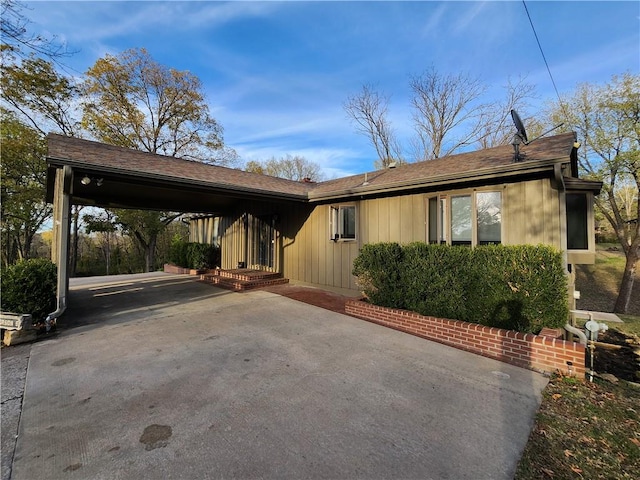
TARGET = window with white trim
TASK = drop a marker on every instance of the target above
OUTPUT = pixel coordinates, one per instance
(343, 222)
(465, 219)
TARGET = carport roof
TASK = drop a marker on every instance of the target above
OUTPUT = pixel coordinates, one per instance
(144, 180)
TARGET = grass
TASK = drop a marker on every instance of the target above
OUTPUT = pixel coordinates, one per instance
(631, 325)
(584, 430)
(592, 429)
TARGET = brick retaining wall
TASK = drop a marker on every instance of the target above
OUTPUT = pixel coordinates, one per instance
(521, 349)
(174, 269)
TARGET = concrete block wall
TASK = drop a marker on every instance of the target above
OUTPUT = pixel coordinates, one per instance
(543, 354)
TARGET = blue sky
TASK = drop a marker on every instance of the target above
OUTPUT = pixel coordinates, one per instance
(276, 74)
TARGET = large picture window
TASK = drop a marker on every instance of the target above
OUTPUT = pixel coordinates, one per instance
(343, 222)
(470, 219)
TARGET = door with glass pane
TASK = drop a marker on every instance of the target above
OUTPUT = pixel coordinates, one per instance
(263, 243)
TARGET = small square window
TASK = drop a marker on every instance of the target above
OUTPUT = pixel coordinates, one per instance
(343, 222)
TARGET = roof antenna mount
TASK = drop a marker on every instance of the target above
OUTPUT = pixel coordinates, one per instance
(520, 137)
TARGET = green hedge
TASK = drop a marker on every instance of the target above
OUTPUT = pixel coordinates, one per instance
(29, 286)
(521, 288)
(194, 255)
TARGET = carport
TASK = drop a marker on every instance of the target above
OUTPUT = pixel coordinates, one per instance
(82, 172)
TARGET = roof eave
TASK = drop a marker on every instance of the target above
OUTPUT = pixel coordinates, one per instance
(503, 171)
(159, 178)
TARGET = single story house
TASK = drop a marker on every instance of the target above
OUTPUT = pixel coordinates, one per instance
(311, 232)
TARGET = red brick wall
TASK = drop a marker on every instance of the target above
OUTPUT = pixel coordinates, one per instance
(170, 268)
(520, 349)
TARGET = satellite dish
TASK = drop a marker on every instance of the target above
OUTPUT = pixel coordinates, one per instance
(517, 121)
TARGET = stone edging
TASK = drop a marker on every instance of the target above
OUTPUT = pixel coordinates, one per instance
(526, 350)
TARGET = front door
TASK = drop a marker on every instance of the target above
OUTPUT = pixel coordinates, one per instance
(263, 243)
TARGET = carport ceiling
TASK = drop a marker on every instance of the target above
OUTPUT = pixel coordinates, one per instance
(124, 192)
(115, 177)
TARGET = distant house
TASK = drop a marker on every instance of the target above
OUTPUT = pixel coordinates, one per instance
(311, 232)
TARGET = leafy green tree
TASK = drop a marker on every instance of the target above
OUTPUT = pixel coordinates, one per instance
(42, 96)
(46, 100)
(132, 101)
(607, 120)
(23, 209)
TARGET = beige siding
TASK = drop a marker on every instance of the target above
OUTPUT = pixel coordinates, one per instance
(314, 258)
(307, 254)
(531, 214)
(203, 230)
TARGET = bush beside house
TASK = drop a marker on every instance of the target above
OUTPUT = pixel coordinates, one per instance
(195, 256)
(521, 288)
(29, 287)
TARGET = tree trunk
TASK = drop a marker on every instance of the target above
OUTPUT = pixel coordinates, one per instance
(150, 253)
(628, 277)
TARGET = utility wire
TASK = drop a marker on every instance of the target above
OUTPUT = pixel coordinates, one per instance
(545, 62)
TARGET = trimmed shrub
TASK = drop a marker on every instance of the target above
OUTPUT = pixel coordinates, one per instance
(29, 286)
(193, 255)
(202, 255)
(521, 288)
(378, 268)
(178, 252)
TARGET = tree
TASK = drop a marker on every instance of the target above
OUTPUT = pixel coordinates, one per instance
(23, 209)
(368, 110)
(43, 97)
(292, 167)
(255, 167)
(607, 120)
(445, 105)
(496, 126)
(102, 222)
(132, 101)
(16, 37)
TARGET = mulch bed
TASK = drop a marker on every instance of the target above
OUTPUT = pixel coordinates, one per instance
(622, 363)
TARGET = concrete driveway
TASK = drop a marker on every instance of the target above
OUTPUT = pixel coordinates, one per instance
(161, 377)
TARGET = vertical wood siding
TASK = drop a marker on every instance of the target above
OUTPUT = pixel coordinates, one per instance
(530, 215)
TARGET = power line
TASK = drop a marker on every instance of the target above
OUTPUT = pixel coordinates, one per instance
(545, 61)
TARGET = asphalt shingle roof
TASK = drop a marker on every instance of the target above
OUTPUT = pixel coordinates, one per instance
(97, 156)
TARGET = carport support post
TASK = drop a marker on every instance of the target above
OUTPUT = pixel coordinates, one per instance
(61, 229)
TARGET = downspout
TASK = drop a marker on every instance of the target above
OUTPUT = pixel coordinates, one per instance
(63, 196)
(559, 181)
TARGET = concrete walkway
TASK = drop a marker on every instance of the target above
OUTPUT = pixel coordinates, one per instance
(161, 377)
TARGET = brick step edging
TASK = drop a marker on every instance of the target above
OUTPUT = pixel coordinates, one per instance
(525, 350)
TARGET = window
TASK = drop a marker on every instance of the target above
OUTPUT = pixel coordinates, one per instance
(489, 212)
(471, 219)
(343, 222)
(577, 221)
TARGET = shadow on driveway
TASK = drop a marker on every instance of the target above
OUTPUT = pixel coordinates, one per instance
(170, 378)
